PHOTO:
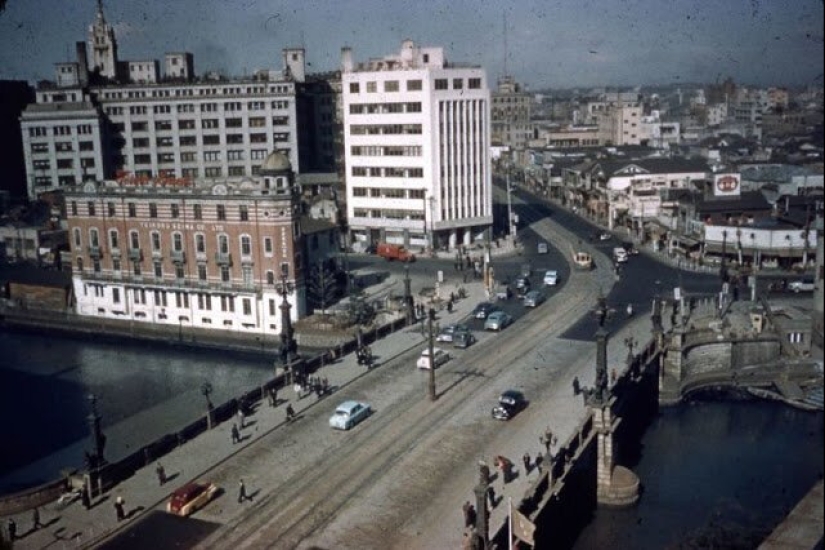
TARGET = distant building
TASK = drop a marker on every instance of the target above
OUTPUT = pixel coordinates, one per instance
(417, 137)
(210, 254)
(510, 116)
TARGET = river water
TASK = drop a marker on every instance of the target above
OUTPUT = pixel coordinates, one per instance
(143, 391)
(715, 474)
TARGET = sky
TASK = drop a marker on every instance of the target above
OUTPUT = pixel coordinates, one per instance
(549, 43)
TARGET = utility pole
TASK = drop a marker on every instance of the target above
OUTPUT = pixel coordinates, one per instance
(431, 345)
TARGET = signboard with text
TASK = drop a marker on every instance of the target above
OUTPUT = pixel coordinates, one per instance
(726, 185)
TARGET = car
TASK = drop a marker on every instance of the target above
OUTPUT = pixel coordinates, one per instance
(503, 292)
(440, 357)
(509, 404)
(483, 309)
(497, 321)
(191, 497)
(522, 282)
(605, 236)
(348, 414)
(542, 248)
(620, 254)
(463, 340)
(804, 285)
(533, 298)
(551, 277)
(447, 334)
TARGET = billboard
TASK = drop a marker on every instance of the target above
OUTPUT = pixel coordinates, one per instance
(726, 185)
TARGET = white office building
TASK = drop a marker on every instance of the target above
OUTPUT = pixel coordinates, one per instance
(417, 142)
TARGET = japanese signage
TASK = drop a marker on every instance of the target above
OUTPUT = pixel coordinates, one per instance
(726, 185)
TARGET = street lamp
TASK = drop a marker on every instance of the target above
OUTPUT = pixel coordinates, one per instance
(408, 299)
(512, 228)
(206, 389)
(97, 432)
(288, 344)
(723, 267)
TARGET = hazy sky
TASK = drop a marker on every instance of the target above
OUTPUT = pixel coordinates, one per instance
(558, 43)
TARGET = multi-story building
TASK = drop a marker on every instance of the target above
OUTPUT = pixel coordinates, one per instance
(620, 124)
(212, 254)
(174, 127)
(510, 116)
(417, 149)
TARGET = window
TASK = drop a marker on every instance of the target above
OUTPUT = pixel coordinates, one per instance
(268, 246)
(354, 88)
(246, 245)
(153, 210)
(221, 212)
(270, 277)
(113, 239)
(155, 240)
(175, 210)
(177, 242)
(134, 240)
(458, 84)
(200, 244)
(223, 244)
(201, 272)
(247, 306)
(225, 275)
(158, 270)
(441, 84)
(243, 212)
(132, 210)
(272, 307)
(77, 240)
(197, 211)
(115, 295)
(372, 87)
(91, 206)
(94, 238)
(179, 273)
(414, 85)
(391, 86)
(227, 304)
(110, 207)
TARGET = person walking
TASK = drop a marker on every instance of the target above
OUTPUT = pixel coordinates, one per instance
(242, 496)
(491, 495)
(85, 498)
(12, 529)
(576, 386)
(241, 418)
(290, 413)
(236, 435)
(526, 461)
(161, 472)
(119, 508)
(36, 518)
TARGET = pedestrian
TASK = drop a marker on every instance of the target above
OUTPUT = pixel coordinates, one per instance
(505, 467)
(539, 461)
(491, 494)
(325, 385)
(240, 418)
(242, 496)
(12, 529)
(119, 510)
(236, 435)
(614, 375)
(290, 413)
(576, 387)
(85, 499)
(526, 461)
(36, 518)
(161, 473)
(466, 509)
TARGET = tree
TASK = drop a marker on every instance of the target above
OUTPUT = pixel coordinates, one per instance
(323, 285)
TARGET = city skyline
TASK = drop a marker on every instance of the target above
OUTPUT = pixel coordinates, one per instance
(558, 45)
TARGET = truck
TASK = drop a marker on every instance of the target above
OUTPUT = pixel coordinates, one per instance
(392, 252)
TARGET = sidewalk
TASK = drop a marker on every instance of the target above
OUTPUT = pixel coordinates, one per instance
(73, 526)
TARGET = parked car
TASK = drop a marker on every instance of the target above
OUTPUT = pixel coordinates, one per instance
(447, 334)
(497, 321)
(348, 414)
(509, 404)
(542, 248)
(804, 285)
(620, 254)
(483, 309)
(503, 292)
(533, 298)
(551, 277)
(191, 497)
(439, 358)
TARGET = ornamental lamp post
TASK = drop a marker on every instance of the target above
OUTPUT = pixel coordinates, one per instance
(206, 389)
(289, 346)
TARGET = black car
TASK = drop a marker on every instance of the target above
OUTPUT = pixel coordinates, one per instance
(483, 309)
(509, 404)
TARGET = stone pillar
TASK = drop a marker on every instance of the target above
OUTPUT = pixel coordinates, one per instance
(616, 486)
(482, 529)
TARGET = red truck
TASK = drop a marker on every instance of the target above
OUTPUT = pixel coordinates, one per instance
(394, 252)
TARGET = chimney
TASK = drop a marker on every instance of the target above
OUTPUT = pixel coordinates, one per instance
(346, 59)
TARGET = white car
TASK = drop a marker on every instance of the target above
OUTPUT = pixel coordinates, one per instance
(348, 414)
(439, 358)
(551, 278)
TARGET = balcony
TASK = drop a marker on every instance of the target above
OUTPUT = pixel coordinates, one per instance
(222, 258)
(178, 256)
(95, 252)
(157, 254)
(135, 254)
(115, 253)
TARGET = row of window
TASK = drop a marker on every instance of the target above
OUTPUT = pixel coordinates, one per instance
(155, 238)
(62, 130)
(387, 172)
(390, 214)
(384, 108)
(389, 86)
(191, 124)
(183, 92)
(386, 150)
(384, 129)
(391, 193)
(62, 164)
(174, 210)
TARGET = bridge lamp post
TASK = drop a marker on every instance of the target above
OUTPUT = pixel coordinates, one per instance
(206, 390)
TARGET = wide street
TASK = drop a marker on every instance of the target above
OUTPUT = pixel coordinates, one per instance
(398, 479)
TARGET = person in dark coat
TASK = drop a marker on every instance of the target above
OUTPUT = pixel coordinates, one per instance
(290, 413)
(242, 496)
(12, 529)
(576, 386)
(236, 435)
(526, 461)
(85, 498)
(491, 494)
(119, 504)
(161, 473)
(36, 518)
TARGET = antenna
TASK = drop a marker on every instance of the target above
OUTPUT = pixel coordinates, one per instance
(505, 45)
